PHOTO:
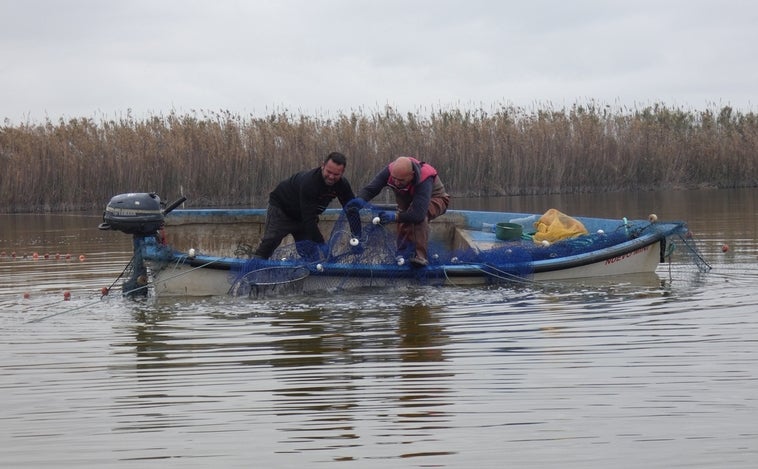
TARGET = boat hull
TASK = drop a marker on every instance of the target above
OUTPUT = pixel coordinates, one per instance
(611, 248)
(209, 277)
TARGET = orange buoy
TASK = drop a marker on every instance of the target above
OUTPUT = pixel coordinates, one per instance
(68, 256)
(66, 295)
(27, 295)
(81, 258)
(725, 248)
(104, 291)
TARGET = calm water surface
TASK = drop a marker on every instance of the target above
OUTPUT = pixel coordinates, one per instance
(636, 372)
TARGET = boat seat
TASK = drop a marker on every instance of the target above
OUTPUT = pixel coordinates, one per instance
(475, 239)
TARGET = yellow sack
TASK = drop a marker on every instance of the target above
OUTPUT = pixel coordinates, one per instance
(554, 226)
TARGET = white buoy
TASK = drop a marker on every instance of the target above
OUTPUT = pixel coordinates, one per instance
(600, 231)
(354, 241)
(545, 243)
(376, 220)
(191, 253)
(652, 218)
(400, 260)
(454, 260)
(319, 267)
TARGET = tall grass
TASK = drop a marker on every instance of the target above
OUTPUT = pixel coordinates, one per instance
(224, 159)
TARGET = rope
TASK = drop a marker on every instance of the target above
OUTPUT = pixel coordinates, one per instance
(148, 284)
(63, 312)
(128, 264)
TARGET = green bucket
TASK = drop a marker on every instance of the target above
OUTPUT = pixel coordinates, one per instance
(508, 231)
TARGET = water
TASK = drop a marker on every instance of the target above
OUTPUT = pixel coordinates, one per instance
(628, 373)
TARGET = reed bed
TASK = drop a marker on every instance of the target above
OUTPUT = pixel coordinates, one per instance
(218, 158)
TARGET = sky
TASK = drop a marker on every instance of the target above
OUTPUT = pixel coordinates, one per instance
(108, 59)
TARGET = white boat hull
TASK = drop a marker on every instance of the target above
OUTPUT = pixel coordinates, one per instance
(184, 280)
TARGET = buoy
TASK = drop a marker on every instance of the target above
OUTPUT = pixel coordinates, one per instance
(600, 231)
(191, 253)
(104, 291)
(66, 295)
(13, 254)
(354, 241)
(376, 220)
(81, 257)
(400, 260)
(545, 243)
(57, 256)
(27, 295)
(725, 248)
(35, 256)
(319, 267)
(652, 218)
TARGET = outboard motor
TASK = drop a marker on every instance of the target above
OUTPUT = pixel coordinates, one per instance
(140, 215)
(134, 213)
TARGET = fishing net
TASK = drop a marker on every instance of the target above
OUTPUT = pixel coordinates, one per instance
(375, 252)
(135, 274)
(376, 260)
(270, 281)
(683, 249)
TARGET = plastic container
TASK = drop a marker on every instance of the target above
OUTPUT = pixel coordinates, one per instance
(508, 231)
(524, 220)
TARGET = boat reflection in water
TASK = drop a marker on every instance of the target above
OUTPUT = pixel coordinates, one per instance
(330, 377)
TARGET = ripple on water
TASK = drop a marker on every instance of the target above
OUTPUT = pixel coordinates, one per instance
(580, 375)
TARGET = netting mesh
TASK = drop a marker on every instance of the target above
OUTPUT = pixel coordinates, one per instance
(270, 281)
(135, 273)
(376, 248)
(375, 261)
(684, 248)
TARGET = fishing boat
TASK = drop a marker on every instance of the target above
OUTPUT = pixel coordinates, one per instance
(208, 252)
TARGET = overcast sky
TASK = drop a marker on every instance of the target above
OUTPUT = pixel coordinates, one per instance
(103, 58)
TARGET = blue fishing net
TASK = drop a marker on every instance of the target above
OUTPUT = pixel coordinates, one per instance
(377, 261)
(270, 281)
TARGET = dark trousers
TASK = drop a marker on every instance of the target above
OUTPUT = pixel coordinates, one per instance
(416, 235)
(278, 226)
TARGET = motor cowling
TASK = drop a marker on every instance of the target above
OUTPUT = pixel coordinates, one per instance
(134, 213)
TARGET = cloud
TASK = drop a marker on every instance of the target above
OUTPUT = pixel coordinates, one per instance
(78, 58)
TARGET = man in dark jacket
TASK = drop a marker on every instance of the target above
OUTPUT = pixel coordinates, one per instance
(295, 204)
(420, 196)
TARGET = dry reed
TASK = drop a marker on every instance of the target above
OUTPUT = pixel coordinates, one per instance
(223, 159)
